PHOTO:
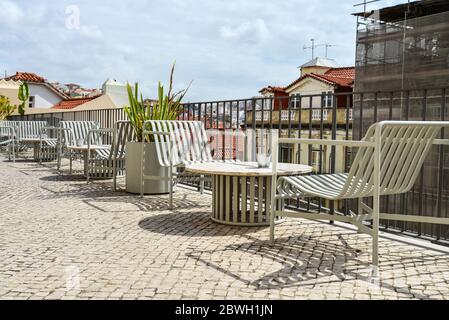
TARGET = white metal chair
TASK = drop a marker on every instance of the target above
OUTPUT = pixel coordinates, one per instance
(48, 144)
(178, 143)
(36, 134)
(110, 163)
(73, 133)
(29, 130)
(31, 134)
(388, 161)
(7, 138)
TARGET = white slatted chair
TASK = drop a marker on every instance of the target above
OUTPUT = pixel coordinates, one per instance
(388, 161)
(70, 132)
(32, 134)
(6, 134)
(48, 144)
(178, 143)
(7, 138)
(29, 130)
(110, 163)
(8, 123)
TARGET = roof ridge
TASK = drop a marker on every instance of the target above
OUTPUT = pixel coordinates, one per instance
(342, 68)
(33, 77)
(329, 79)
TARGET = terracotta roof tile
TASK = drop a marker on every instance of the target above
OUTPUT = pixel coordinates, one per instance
(72, 103)
(346, 72)
(26, 76)
(273, 89)
(32, 77)
(343, 77)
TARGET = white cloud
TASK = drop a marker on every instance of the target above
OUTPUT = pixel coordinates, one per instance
(92, 32)
(249, 31)
(229, 48)
(10, 13)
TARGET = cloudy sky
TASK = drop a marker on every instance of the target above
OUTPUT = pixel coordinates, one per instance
(229, 48)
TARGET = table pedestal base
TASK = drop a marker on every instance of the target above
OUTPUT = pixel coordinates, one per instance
(48, 153)
(241, 200)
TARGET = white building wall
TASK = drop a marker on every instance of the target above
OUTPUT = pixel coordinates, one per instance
(117, 92)
(44, 98)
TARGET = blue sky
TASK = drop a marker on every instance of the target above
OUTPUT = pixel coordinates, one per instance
(230, 49)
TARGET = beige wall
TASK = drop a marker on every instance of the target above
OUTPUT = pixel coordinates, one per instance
(310, 86)
(10, 89)
(102, 102)
(316, 70)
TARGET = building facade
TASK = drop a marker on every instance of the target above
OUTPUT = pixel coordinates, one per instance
(43, 95)
(402, 68)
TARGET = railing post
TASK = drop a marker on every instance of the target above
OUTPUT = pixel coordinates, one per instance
(253, 110)
(298, 96)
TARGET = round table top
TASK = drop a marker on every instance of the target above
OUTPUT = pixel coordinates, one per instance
(36, 139)
(92, 147)
(246, 169)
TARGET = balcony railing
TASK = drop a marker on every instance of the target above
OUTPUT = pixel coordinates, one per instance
(314, 116)
(350, 117)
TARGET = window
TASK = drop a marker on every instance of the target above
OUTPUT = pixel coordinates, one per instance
(318, 160)
(31, 102)
(286, 154)
(328, 99)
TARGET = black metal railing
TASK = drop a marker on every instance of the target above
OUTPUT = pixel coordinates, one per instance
(345, 115)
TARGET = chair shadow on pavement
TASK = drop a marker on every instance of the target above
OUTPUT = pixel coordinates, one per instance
(148, 203)
(191, 224)
(303, 262)
(100, 195)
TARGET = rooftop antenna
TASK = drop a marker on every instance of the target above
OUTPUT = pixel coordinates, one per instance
(327, 46)
(313, 46)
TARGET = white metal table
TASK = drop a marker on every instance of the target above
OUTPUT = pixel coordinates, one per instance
(241, 192)
(35, 142)
(84, 150)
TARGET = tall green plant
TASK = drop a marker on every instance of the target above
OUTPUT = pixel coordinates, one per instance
(24, 94)
(6, 109)
(167, 107)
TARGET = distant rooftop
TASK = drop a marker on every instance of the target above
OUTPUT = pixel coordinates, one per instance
(30, 77)
(73, 103)
(26, 76)
(321, 62)
(343, 77)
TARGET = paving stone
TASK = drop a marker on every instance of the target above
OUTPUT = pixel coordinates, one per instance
(65, 239)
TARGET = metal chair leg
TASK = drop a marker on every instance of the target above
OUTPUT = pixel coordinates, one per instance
(202, 184)
(170, 195)
(375, 239)
(273, 206)
(114, 177)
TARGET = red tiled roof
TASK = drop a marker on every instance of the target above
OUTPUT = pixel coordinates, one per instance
(72, 103)
(26, 76)
(343, 77)
(343, 82)
(32, 77)
(273, 89)
(345, 72)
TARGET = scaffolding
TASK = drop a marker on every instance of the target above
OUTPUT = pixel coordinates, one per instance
(403, 47)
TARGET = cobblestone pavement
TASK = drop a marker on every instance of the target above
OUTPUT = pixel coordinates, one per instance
(62, 239)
